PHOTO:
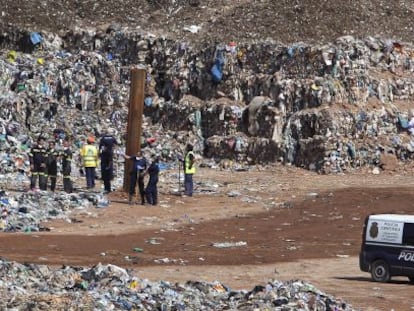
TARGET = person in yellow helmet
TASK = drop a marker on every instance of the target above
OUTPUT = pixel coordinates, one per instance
(90, 158)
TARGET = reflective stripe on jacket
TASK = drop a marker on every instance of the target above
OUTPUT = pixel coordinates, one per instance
(38, 155)
(89, 154)
(187, 161)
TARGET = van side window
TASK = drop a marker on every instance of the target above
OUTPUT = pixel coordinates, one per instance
(408, 235)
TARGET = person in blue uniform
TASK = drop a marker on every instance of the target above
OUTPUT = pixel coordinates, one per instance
(152, 189)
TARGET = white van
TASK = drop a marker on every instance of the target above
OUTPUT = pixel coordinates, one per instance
(388, 246)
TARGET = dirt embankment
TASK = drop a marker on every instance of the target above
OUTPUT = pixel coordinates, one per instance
(222, 21)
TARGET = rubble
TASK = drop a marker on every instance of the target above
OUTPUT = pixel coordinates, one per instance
(109, 287)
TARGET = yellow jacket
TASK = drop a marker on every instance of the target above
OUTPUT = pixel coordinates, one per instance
(189, 167)
(89, 154)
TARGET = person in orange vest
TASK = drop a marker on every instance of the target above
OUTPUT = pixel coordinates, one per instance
(90, 158)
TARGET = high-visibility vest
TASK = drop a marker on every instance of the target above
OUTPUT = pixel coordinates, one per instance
(89, 154)
(187, 162)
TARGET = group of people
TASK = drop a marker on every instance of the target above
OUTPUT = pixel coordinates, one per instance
(44, 164)
(91, 156)
(44, 160)
(139, 169)
(44, 167)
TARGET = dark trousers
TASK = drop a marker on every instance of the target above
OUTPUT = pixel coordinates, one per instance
(152, 192)
(67, 184)
(52, 172)
(40, 174)
(52, 182)
(188, 184)
(136, 177)
(107, 177)
(90, 177)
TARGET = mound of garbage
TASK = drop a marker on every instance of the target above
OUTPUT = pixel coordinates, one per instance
(330, 108)
(109, 287)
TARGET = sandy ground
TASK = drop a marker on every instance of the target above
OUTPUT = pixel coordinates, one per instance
(289, 224)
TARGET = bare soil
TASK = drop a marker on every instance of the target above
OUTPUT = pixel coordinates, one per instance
(295, 225)
(286, 21)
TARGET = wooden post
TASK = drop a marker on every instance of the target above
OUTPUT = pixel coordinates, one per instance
(134, 127)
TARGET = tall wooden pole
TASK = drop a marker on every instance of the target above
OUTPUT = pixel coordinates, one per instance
(134, 128)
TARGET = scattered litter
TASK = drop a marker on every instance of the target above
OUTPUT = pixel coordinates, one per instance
(229, 244)
(342, 256)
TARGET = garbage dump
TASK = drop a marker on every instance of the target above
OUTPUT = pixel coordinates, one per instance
(109, 287)
(330, 108)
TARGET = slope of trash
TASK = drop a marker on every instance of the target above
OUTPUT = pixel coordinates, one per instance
(329, 108)
(109, 287)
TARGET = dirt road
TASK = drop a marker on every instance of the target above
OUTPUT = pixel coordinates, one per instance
(281, 223)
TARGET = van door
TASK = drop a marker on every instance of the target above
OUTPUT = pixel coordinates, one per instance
(383, 241)
(407, 253)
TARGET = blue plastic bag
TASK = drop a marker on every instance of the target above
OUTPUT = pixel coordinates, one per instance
(217, 69)
(35, 38)
(217, 73)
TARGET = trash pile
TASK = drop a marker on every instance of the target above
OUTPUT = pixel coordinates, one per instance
(29, 211)
(109, 287)
(330, 108)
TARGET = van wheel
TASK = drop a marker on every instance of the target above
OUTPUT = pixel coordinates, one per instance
(380, 272)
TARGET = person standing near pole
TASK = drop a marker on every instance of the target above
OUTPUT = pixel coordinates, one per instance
(107, 167)
(189, 171)
(90, 159)
(139, 168)
(106, 153)
(108, 140)
(151, 191)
